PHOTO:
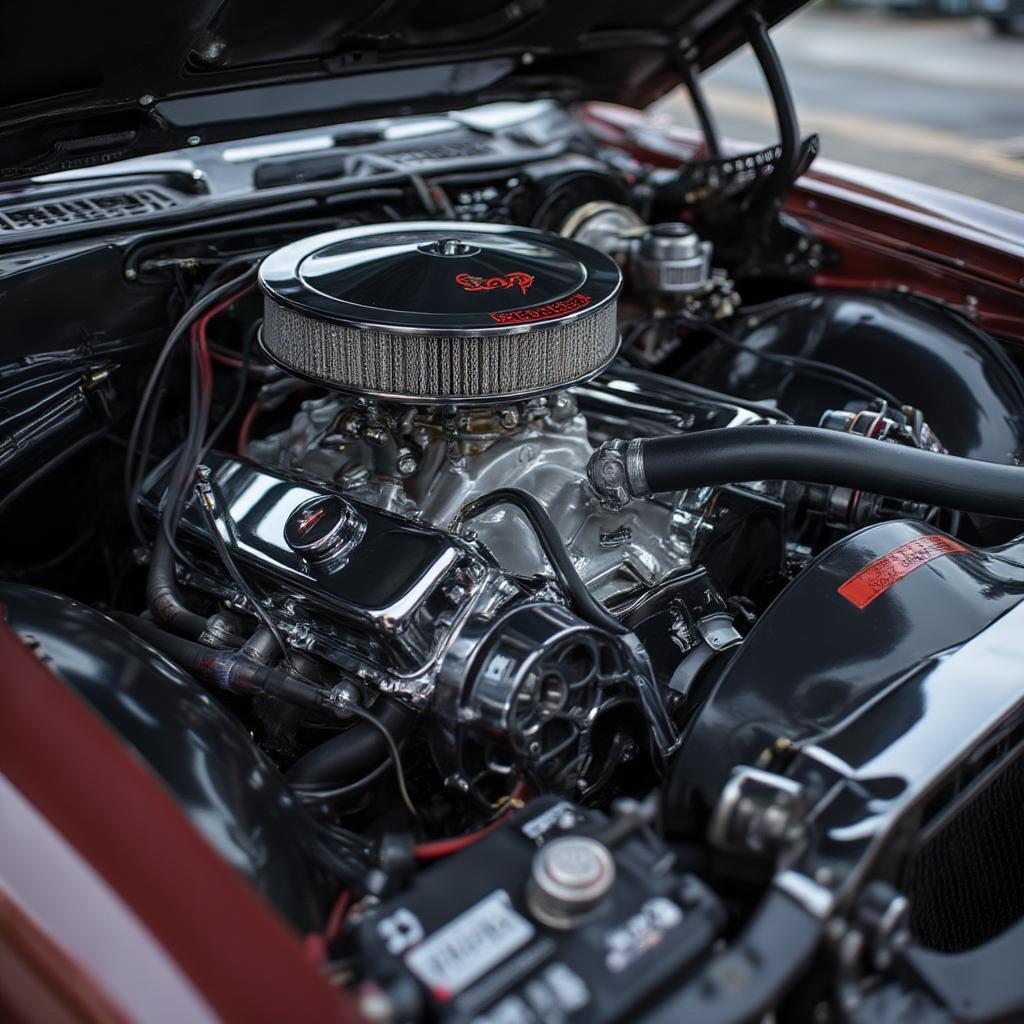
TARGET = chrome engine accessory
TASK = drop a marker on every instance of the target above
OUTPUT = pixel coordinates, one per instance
(665, 259)
(513, 683)
(852, 507)
(616, 472)
(440, 312)
(672, 260)
(604, 225)
(386, 618)
(668, 262)
(525, 692)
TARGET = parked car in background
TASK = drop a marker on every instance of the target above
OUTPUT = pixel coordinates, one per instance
(1005, 16)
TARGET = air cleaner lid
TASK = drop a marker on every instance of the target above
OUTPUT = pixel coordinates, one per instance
(439, 277)
(440, 311)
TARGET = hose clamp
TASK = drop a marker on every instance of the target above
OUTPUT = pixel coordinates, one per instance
(616, 473)
(636, 476)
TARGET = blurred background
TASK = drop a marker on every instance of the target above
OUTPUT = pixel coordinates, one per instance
(932, 90)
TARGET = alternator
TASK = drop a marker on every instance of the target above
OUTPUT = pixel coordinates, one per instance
(523, 694)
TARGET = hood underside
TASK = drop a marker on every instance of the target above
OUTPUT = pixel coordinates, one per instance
(119, 82)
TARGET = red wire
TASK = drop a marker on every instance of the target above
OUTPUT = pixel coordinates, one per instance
(199, 337)
(205, 367)
(247, 422)
(198, 342)
(204, 320)
(221, 306)
(444, 847)
(336, 921)
(225, 360)
(316, 943)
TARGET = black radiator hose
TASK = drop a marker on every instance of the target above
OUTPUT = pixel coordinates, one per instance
(354, 753)
(708, 458)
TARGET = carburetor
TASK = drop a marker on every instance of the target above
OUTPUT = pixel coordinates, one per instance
(668, 264)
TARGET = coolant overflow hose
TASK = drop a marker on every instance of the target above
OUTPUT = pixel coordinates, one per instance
(620, 470)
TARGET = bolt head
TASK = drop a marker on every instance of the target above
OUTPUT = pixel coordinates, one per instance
(407, 463)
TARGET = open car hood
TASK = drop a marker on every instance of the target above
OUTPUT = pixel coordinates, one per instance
(86, 83)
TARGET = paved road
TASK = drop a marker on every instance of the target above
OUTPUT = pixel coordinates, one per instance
(937, 100)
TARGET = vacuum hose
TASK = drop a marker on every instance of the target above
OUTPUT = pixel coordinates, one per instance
(621, 470)
(341, 759)
(584, 603)
(227, 670)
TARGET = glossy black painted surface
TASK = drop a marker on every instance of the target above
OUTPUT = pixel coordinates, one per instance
(437, 276)
(929, 358)
(983, 984)
(912, 755)
(814, 658)
(120, 86)
(231, 793)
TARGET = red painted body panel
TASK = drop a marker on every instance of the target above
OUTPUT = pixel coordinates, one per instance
(889, 233)
(137, 872)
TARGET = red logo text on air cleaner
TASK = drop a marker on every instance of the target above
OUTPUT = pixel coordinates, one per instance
(549, 311)
(514, 279)
(875, 579)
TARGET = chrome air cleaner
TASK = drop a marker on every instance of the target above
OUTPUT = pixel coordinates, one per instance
(440, 312)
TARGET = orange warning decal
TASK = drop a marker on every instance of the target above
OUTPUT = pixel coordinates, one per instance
(875, 579)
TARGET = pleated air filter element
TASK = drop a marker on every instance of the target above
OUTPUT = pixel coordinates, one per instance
(439, 312)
